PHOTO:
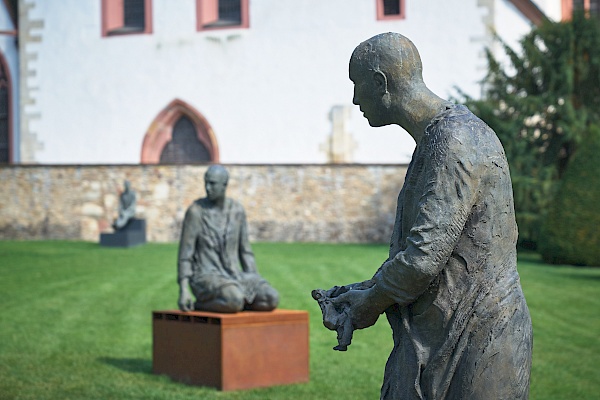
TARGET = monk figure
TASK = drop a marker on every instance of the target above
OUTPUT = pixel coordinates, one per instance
(450, 287)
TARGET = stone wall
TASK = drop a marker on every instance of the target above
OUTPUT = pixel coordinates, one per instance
(306, 203)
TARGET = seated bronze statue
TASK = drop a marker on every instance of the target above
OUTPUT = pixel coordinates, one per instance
(214, 244)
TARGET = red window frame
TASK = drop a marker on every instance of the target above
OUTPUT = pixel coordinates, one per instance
(567, 8)
(207, 12)
(113, 23)
(382, 17)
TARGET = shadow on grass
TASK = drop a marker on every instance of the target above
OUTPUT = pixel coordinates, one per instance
(133, 365)
(586, 275)
(564, 271)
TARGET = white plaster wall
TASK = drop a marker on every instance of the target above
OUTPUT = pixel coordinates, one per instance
(8, 48)
(510, 24)
(552, 8)
(266, 91)
(450, 40)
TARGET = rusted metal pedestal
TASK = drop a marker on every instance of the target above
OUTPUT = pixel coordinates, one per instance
(231, 351)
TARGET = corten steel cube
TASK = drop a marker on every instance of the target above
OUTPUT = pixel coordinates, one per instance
(231, 351)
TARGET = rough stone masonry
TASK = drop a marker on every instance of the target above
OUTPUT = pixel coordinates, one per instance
(324, 203)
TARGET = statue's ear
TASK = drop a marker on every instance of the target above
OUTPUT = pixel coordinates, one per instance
(380, 81)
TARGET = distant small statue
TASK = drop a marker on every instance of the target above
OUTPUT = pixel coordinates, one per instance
(127, 202)
(214, 243)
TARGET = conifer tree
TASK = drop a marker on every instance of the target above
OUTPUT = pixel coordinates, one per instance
(541, 105)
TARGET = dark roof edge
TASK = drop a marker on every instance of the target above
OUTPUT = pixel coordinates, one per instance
(531, 11)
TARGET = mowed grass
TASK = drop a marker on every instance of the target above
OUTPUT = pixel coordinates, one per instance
(75, 322)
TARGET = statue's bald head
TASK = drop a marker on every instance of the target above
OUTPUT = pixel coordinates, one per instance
(391, 53)
(217, 171)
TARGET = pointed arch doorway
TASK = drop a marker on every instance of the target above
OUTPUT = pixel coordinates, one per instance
(179, 135)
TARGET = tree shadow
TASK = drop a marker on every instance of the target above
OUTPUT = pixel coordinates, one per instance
(567, 271)
(133, 365)
(591, 275)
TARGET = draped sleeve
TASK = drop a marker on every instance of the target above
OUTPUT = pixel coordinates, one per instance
(445, 193)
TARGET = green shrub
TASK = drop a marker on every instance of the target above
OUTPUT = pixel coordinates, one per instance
(571, 233)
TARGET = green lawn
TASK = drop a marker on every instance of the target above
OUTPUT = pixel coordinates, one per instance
(75, 322)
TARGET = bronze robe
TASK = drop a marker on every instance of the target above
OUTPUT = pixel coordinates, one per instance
(460, 324)
(212, 247)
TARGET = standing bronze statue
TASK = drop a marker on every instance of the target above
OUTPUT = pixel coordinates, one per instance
(450, 287)
(214, 243)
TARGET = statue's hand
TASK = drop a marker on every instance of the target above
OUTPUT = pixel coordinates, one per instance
(334, 319)
(358, 305)
(186, 301)
(338, 290)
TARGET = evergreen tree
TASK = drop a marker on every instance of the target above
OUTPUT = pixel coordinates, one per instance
(541, 105)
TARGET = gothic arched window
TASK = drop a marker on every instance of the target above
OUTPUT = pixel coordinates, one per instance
(179, 135)
(184, 146)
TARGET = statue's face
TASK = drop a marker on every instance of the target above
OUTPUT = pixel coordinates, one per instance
(215, 184)
(367, 94)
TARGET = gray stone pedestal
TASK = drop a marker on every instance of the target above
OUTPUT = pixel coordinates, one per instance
(133, 234)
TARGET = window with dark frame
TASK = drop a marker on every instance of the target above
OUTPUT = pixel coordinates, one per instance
(591, 7)
(230, 12)
(215, 14)
(594, 8)
(134, 14)
(390, 9)
(122, 17)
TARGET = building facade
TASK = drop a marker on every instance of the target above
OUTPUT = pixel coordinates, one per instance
(231, 81)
